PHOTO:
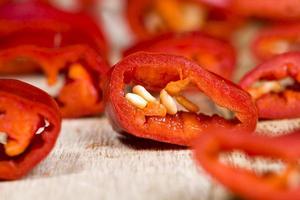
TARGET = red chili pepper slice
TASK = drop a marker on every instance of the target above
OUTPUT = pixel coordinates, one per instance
(172, 76)
(246, 183)
(85, 72)
(276, 40)
(269, 9)
(36, 36)
(147, 18)
(274, 85)
(29, 126)
(214, 55)
(34, 23)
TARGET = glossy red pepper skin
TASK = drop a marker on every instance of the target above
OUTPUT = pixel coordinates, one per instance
(218, 23)
(154, 71)
(35, 36)
(247, 184)
(40, 104)
(212, 54)
(272, 105)
(275, 40)
(267, 9)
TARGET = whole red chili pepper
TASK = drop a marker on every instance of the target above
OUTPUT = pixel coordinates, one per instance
(144, 116)
(212, 54)
(36, 36)
(246, 183)
(276, 40)
(274, 85)
(29, 126)
(269, 9)
(147, 18)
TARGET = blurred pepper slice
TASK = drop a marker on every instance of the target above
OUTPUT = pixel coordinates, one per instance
(250, 184)
(34, 23)
(267, 9)
(153, 17)
(274, 85)
(171, 75)
(85, 72)
(212, 54)
(34, 36)
(276, 40)
(29, 126)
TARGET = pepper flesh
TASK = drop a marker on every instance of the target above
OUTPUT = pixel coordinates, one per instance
(182, 127)
(245, 183)
(284, 104)
(276, 40)
(212, 54)
(23, 107)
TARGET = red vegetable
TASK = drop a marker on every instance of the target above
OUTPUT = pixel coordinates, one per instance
(276, 40)
(33, 23)
(274, 85)
(214, 55)
(269, 9)
(76, 5)
(245, 183)
(172, 75)
(35, 36)
(147, 18)
(29, 126)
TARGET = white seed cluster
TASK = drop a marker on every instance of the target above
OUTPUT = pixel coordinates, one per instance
(141, 97)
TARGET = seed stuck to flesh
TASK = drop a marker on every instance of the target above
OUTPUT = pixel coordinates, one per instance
(3, 138)
(41, 129)
(136, 100)
(168, 102)
(141, 91)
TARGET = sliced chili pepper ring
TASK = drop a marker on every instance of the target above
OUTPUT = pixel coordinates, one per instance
(214, 55)
(245, 183)
(276, 40)
(31, 121)
(86, 73)
(38, 24)
(154, 72)
(277, 95)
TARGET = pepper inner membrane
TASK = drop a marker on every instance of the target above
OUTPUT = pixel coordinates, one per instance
(19, 124)
(174, 15)
(273, 171)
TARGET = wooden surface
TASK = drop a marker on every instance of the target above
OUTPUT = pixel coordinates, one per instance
(90, 161)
